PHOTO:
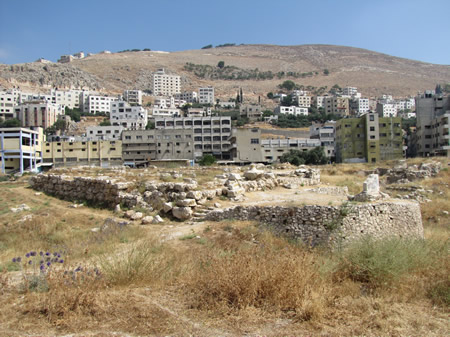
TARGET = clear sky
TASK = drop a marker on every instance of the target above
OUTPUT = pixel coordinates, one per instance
(32, 29)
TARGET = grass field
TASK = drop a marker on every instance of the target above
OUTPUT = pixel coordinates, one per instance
(216, 278)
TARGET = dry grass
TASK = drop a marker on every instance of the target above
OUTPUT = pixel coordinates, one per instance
(236, 279)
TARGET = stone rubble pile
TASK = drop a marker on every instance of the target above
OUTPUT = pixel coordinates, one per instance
(371, 190)
(403, 174)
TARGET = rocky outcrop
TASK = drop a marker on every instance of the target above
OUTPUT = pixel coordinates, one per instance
(402, 173)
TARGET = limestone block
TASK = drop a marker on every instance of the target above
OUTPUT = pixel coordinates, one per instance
(157, 219)
(167, 207)
(182, 213)
(197, 195)
(147, 220)
(187, 203)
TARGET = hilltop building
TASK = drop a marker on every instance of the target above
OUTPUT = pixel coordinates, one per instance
(164, 84)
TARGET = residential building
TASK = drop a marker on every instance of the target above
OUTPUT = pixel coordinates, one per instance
(326, 133)
(368, 138)
(67, 98)
(164, 84)
(132, 117)
(133, 97)
(99, 104)
(198, 112)
(38, 113)
(319, 101)
(432, 125)
(359, 106)
(7, 105)
(101, 153)
(291, 110)
(21, 149)
(350, 91)
(113, 132)
(211, 134)
(251, 111)
(206, 95)
(187, 96)
(303, 100)
(386, 109)
(336, 105)
(249, 147)
(227, 105)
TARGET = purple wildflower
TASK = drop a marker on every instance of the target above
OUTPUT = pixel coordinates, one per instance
(14, 259)
(47, 254)
(41, 253)
(61, 261)
(33, 253)
(30, 262)
(49, 264)
(42, 267)
(27, 254)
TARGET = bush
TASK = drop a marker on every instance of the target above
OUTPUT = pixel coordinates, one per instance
(381, 263)
(207, 160)
(312, 157)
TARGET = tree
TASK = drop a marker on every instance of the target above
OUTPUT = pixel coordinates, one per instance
(287, 101)
(75, 114)
(270, 95)
(150, 126)
(288, 85)
(326, 72)
(208, 46)
(315, 156)
(10, 123)
(207, 160)
(221, 64)
(106, 122)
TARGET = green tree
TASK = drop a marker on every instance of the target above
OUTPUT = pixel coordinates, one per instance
(326, 72)
(221, 64)
(10, 123)
(208, 46)
(288, 85)
(287, 101)
(75, 114)
(315, 156)
(270, 95)
(106, 122)
(150, 126)
(207, 160)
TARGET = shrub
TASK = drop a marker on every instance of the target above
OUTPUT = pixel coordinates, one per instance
(207, 160)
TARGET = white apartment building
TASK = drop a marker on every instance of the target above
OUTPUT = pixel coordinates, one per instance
(134, 97)
(319, 101)
(326, 133)
(38, 113)
(67, 98)
(405, 104)
(350, 91)
(206, 95)
(386, 109)
(187, 96)
(99, 104)
(291, 110)
(406, 115)
(362, 105)
(129, 117)
(158, 111)
(164, 84)
(7, 105)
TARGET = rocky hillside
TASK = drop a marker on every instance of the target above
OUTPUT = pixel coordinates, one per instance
(258, 69)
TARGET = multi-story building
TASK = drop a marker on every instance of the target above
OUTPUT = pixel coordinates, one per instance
(359, 106)
(164, 84)
(369, 138)
(133, 97)
(350, 91)
(67, 98)
(113, 132)
(249, 147)
(187, 96)
(303, 100)
(38, 113)
(250, 111)
(319, 101)
(98, 153)
(129, 117)
(20, 149)
(291, 110)
(386, 109)
(326, 133)
(7, 105)
(432, 124)
(206, 95)
(211, 134)
(336, 105)
(100, 104)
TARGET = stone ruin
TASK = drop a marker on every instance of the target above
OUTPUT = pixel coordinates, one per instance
(371, 190)
(403, 174)
(181, 200)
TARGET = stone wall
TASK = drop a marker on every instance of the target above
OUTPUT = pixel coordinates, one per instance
(333, 225)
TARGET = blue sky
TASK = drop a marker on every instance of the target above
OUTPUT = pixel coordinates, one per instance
(33, 29)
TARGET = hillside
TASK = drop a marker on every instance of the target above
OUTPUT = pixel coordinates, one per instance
(371, 72)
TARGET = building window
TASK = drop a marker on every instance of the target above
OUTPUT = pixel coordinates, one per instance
(254, 141)
(372, 118)
(372, 128)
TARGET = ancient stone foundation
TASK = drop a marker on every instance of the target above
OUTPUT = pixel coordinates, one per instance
(332, 225)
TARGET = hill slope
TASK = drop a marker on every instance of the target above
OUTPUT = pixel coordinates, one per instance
(371, 72)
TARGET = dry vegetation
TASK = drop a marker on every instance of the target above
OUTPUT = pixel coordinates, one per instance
(227, 278)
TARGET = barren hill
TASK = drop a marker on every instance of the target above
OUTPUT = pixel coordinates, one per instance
(371, 72)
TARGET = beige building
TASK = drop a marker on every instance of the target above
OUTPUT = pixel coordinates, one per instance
(133, 117)
(97, 153)
(336, 106)
(303, 101)
(133, 97)
(251, 111)
(164, 84)
(38, 113)
(7, 105)
(20, 149)
(206, 95)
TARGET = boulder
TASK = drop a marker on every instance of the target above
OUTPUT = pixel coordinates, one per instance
(253, 173)
(157, 219)
(137, 216)
(182, 213)
(197, 195)
(167, 207)
(147, 220)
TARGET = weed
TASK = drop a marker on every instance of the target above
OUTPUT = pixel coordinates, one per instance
(188, 237)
